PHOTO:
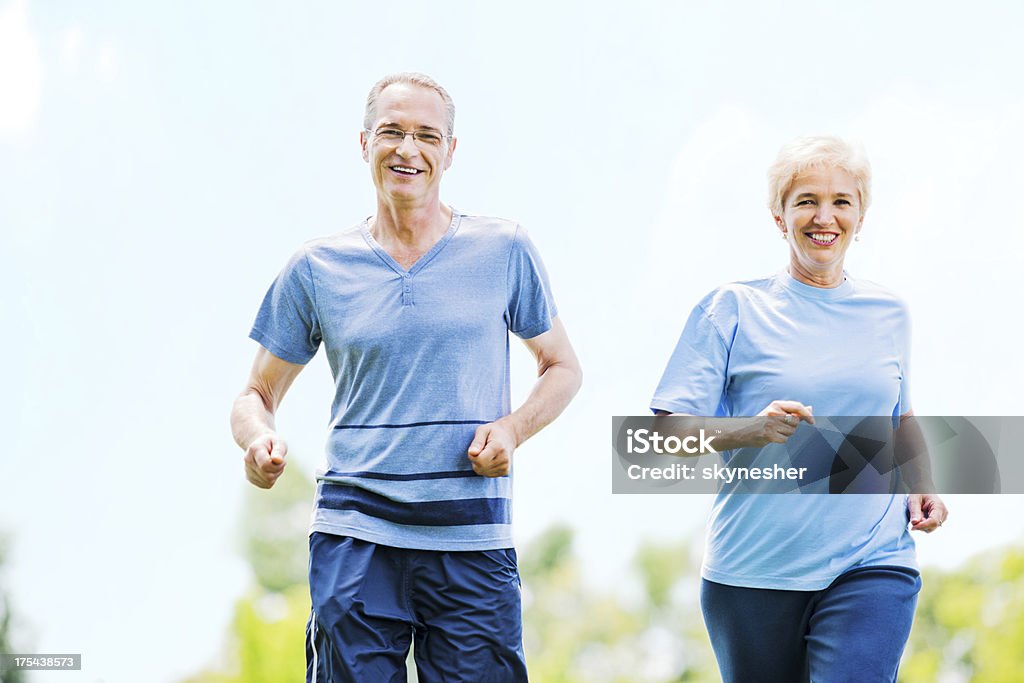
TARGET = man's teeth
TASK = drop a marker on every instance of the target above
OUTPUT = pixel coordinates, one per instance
(405, 169)
(823, 237)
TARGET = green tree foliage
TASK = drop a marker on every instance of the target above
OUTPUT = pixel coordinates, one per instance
(274, 531)
(970, 623)
(267, 639)
(266, 643)
(574, 633)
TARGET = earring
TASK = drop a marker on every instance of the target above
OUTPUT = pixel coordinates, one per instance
(856, 237)
(785, 235)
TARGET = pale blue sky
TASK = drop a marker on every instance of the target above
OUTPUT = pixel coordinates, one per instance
(158, 166)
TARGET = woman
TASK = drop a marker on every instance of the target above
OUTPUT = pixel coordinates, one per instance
(804, 586)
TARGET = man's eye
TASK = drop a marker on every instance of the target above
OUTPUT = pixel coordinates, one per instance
(390, 134)
(429, 138)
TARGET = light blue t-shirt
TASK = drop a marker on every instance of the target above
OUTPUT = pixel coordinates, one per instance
(420, 359)
(843, 351)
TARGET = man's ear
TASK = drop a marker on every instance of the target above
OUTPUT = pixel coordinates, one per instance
(451, 153)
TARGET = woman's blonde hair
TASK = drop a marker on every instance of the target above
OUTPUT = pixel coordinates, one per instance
(813, 152)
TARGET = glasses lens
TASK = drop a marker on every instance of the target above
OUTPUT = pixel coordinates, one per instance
(390, 136)
(395, 136)
(428, 138)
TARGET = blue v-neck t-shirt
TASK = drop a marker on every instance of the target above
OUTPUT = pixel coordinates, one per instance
(843, 351)
(420, 359)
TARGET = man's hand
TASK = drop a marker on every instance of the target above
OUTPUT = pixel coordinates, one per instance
(558, 380)
(492, 449)
(264, 460)
(927, 512)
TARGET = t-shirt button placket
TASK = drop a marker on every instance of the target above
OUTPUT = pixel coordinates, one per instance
(407, 290)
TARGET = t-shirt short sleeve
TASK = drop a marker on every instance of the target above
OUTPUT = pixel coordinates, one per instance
(695, 380)
(530, 306)
(287, 324)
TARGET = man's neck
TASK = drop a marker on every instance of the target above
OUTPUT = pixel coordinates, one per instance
(410, 228)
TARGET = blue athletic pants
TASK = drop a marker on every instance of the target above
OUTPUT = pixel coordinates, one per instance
(853, 631)
(371, 601)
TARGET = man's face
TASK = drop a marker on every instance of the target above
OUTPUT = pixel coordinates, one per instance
(407, 170)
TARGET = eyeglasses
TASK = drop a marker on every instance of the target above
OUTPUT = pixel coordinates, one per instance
(393, 137)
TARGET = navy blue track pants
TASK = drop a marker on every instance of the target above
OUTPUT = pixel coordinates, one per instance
(853, 631)
(371, 601)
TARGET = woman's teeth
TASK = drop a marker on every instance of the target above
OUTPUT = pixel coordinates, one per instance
(822, 237)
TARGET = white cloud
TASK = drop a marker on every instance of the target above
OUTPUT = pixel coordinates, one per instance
(21, 72)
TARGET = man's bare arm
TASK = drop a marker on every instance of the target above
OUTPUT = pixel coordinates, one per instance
(559, 377)
(252, 417)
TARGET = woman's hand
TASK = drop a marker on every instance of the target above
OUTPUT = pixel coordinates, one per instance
(775, 424)
(780, 420)
(926, 511)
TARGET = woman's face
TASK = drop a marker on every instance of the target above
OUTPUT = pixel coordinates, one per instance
(820, 216)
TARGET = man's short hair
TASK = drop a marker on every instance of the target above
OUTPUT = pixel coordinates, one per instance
(412, 78)
(815, 152)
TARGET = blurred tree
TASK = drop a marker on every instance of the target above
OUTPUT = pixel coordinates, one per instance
(275, 528)
(266, 643)
(6, 616)
(575, 634)
(970, 623)
(661, 568)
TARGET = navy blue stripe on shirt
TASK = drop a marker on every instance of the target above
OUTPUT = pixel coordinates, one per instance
(462, 512)
(415, 476)
(414, 424)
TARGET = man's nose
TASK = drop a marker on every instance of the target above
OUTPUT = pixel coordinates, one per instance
(407, 147)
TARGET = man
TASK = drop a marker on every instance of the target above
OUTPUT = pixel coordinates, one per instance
(411, 534)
